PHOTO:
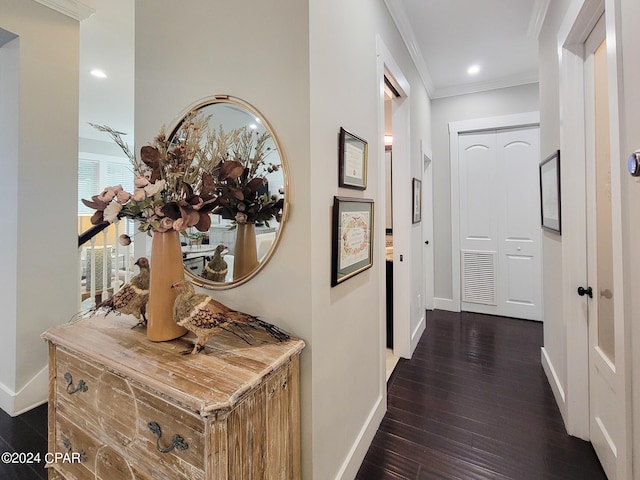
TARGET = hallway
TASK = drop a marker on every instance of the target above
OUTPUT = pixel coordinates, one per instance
(474, 403)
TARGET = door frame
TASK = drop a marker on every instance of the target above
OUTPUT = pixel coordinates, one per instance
(404, 340)
(427, 225)
(527, 119)
(581, 17)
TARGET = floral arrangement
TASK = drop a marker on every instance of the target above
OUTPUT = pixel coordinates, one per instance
(181, 180)
(239, 179)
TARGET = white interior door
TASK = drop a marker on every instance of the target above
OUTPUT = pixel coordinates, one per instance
(427, 229)
(606, 420)
(500, 223)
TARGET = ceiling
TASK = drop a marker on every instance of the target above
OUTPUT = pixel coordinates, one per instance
(444, 38)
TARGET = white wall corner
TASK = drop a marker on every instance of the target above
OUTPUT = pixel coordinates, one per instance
(554, 382)
(354, 458)
(408, 37)
(445, 304)
(34, 393)
(538, 14)
(71, 8)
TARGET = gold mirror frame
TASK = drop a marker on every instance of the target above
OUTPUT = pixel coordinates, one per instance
(207, 106)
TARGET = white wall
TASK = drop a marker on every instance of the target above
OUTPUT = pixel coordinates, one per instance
(630, 125)
(555, 330)
(39, 282)
(349, 393)
(503, 101)
(9, 109)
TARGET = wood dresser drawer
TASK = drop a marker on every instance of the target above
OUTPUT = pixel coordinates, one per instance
(113, 412)
(132, 409)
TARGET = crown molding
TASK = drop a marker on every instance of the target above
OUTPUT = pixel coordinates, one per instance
(513, 81)
(403, 25)
(71, 8)
(537, 18)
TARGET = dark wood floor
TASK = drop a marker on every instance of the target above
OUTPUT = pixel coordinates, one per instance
(474, 403)
(26, 433)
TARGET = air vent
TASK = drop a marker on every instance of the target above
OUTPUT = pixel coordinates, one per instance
(479, 277)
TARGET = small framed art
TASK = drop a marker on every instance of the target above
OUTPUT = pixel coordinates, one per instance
(352, 161)
(550, 193)
(352, 237)
(416, 188)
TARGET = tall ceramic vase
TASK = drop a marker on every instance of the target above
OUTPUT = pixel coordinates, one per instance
(166, 269)
(245, 254)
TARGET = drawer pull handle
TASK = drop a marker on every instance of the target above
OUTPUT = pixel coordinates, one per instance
(80, 455)
(81, 387)
(176, 441)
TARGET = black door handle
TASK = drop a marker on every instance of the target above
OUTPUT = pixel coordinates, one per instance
(585, 291)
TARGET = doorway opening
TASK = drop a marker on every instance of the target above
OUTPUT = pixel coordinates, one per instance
(390, 93)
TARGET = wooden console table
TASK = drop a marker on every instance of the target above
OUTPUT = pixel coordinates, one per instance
(124, 407)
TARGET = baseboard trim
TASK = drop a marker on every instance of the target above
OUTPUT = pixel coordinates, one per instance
(554, 382)
(351, 465)
(33, 394)
(417, 332)
(445, 304)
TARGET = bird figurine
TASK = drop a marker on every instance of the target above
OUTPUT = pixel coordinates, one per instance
(216, 270)
(203, 316)
(132, 298)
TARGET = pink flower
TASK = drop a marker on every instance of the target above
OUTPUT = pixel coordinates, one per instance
(141, 182)
(167, 224)
(122, 197)
(241, 217)
(109, 193)
(179, 225)
(139, 195)
(124, 240)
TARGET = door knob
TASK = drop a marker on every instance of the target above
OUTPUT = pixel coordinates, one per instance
(585, 291)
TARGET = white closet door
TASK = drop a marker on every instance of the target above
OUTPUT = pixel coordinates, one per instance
(478, 220)
(500, 223)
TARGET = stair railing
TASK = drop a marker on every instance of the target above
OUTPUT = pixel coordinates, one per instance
(112, 277)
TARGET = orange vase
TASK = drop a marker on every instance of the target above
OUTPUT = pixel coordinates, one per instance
(166, 269)
(245, 253)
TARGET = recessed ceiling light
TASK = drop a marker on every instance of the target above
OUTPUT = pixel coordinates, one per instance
(473, 69)
(96, 72)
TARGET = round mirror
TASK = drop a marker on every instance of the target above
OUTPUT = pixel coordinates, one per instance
(249, 179)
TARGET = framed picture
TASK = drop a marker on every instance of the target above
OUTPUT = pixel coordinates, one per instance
(550, 193)
(352, 241)
(416, 188)
(352, 160)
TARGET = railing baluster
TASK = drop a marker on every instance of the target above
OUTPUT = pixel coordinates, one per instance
(111, 276)
(92, 289)
(105, 269)
(116, 265)
(79, 297)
